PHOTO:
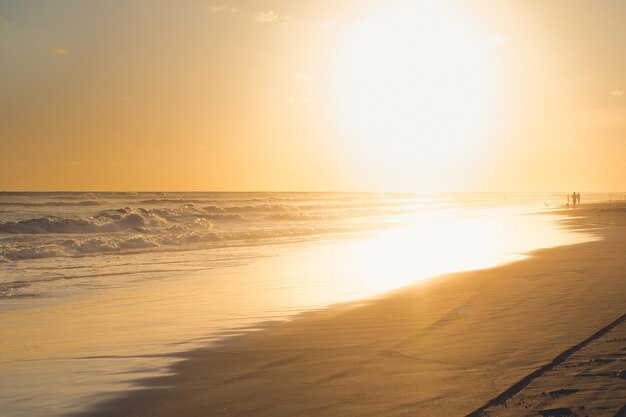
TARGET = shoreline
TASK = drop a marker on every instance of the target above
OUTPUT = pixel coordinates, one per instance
(441, 347)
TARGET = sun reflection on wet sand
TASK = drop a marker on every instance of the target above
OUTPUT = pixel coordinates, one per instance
(428, 244)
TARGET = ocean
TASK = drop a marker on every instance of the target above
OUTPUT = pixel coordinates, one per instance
(99, 291)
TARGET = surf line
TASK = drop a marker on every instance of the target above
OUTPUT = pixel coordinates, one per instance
(523, 383)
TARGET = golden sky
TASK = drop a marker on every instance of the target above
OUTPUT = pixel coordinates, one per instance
(425, 95)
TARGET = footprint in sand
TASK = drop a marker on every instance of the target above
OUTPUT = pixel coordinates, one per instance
(562, 392)
(556, 412)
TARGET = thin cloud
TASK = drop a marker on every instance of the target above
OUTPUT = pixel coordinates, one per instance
(269, 16)
(617, 93)
(224, 8)
(59, 51)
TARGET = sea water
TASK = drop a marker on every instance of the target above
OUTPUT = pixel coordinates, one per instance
(101, 290)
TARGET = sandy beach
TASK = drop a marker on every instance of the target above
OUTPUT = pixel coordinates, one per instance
(270, 208)
(450, 346)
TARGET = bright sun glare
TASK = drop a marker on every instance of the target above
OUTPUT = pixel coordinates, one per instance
(414, 88)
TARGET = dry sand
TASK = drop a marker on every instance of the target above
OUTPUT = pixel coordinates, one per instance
(446, 347)
(591, 381)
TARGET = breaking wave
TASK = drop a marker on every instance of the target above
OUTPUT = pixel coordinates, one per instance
(62, 224)
(101, 223)
(192, 237)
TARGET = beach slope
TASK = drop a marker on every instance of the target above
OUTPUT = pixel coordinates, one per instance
(446, 347)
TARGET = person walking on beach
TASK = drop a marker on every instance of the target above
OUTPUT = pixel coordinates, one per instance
(574, 199)
(577, 198)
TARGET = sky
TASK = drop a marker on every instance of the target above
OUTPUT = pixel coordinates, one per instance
(313, 95)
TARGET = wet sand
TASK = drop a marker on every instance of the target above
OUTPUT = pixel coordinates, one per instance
(443, 347)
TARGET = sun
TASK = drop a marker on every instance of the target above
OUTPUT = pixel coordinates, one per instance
(414, 91)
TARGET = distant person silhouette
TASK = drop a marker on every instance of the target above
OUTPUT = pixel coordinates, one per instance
(574, 199)
(569, 199)
(577, 198)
